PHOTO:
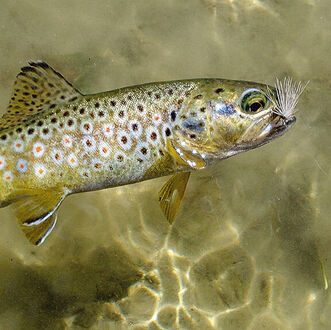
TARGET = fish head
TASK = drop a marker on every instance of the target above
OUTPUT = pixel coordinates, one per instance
(230, 117)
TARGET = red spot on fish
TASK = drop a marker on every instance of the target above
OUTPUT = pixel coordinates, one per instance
(18, 145)
(22, 166)
(41, 171)
(157, 118)
(39, 149)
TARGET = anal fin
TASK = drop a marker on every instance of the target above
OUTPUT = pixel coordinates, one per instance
(172, 193)
(38, 233)
(36, 210)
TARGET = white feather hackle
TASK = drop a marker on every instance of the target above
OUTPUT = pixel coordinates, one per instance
(287, 96)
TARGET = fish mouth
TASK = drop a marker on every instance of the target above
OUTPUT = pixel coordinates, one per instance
(273, 129)
(279, 127)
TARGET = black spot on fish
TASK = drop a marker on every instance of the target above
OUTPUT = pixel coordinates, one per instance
(219, 90)
(19, 130)
(193, 136)
(140, 108)
(143, 151)
(203, 109)
(82, 111)
(53, 120)
(173, 115)
(4, 137)
(134, 127)
(31, 131)
(101, 114)
(198, 97)
(113, 103)
(192, 125)
(40, 123)
(70, 122)
(121, 114)
(97, 105)
(124, 139)
(66, 114)
(167, 131)
(170, 92)
(45, 131)
(73, 99)
(153, 136)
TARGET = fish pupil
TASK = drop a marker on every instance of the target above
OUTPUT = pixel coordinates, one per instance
(256, 106)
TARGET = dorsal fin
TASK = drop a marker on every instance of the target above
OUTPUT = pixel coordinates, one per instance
(37, 88)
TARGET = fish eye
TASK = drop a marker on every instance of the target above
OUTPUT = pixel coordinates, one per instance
(253, 100)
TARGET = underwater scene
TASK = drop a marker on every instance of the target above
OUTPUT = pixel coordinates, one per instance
(249, 246)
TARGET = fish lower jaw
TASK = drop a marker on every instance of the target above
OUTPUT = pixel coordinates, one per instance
(270, 132)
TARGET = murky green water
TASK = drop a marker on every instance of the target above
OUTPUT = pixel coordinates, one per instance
(247, 247)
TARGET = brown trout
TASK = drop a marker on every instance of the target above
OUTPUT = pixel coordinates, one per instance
(55, 141)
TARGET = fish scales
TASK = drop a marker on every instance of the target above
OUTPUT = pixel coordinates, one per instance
(55, 141)
(107, 139)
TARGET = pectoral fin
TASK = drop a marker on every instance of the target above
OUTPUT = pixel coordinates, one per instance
(172, 193)
(185, 157)
(36, 212)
